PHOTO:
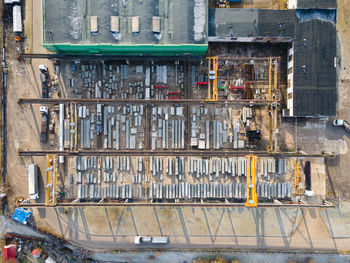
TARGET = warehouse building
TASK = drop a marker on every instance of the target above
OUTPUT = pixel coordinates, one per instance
(133, 27)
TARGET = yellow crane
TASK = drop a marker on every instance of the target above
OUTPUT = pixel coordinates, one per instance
(213, 65)
(297, 177)
(272, 111)
(51, 179)
(273, 78)
(48, 185)
(252, 195)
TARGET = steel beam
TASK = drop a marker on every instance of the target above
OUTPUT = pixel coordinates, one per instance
(105, 58)
(140, 101)
(180, 204)
(218, 153)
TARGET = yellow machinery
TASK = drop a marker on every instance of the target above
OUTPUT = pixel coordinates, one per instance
(297, 177)
(51, 179)
(272, 111)
(273, 79)
(251, 166)
(273, 107)
(213, 65)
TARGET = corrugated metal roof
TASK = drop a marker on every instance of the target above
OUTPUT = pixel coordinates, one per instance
(68, 21)
(243, 25)
(320, 4)
(315, 88)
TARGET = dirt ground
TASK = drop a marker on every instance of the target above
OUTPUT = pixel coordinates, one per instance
(338, 182)
(23, 122)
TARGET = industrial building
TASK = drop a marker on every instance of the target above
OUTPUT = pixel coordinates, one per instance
(157, 27)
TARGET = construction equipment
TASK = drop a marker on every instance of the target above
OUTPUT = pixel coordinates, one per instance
(297, 178)
(273, 78)
(51, 180)
(273, 131)
(252, 196)
(213, 65)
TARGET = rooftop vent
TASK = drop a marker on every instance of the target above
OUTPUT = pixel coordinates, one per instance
(156, 24)
(115, 24)
(93, 24)
(135, 24)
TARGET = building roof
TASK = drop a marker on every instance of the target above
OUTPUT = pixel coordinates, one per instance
(10, 252)
(242, 22)
(315, 89)
(319, 4)
(181, 21)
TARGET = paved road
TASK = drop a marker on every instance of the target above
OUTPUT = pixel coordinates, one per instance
(8, 225)
(234, 228)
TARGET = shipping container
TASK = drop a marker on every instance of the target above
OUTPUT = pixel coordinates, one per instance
(33, 181)
(17, 19)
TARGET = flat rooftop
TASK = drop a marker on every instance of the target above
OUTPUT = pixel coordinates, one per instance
(242, 22)
(181, 22)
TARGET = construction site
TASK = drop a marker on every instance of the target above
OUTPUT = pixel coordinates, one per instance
(169, 104)
(181, 131)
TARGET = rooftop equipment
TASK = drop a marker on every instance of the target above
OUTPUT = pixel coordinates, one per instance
(93, 25)
(115, 24)
(135, 24)
(156, 24)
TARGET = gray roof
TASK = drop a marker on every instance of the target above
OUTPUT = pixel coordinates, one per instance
(242, 24)
(320, 4)
(69, 21)
(315, 90)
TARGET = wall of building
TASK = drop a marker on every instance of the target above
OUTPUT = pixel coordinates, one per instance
(154, 50)
(290, 80)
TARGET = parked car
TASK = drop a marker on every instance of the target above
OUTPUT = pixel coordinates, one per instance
(342, 123)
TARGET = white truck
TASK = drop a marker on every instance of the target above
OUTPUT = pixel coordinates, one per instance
(151, 240)
(33, 181)
(342, 123)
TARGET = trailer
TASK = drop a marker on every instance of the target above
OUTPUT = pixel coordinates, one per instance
(160, 240)
(17, 20)
(33, 181)
(150, 240)
(44, 123)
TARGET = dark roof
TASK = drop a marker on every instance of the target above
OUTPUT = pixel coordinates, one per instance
(69, 21)
(320, 4)
(270, 20)
(242, 23)
(315, 90)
